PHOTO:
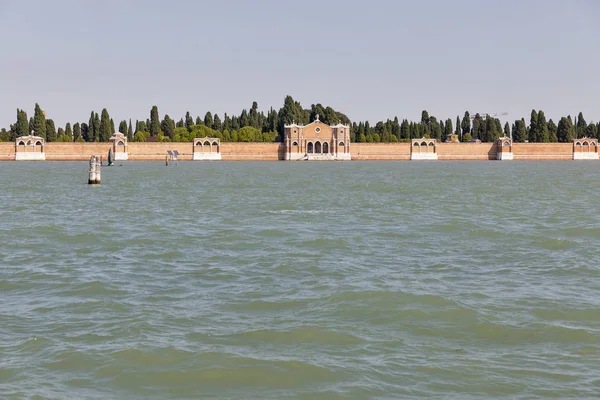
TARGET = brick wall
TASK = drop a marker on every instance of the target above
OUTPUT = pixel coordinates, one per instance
(543, 151)
(252, 151)
(274, 151)
(7, 151)
(380, 151)
(466, 151)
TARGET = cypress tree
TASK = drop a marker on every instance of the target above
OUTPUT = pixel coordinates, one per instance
(457, 129)
(50, 131)
(217, 126)
(91, 125)
(466, 123)
(85, 132)
(22, 125)
(405, 130)
(565, 130)
(542, 135)
(96, 127)
(448, 128)
(130, 132)
(112, 126)
(154, 121)
(198, 120)
(105, 128)
(592, 131)
(123, 127)
(533, 130)
(188, 121)
(552, 132)
(39, 122)
(167, 126)
(581, 126)
(68, 130)
(76, 131)
(520, 132)
(506, 130)
(208, 119)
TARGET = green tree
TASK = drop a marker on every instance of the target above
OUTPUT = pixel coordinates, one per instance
(552, 132)
(199, 121)
(565, 131)
(592, 131)
(448, 131)
(520, 131)
(466, 123)
(96, 127)
(189, 121)
(217, 125)
(69, 131)
(506, 130)
(208, 119)
(39, 122)
(129, 132)
(22, 125)
(105, 128)
(167, 126)
(542, 134)
(123, 127)
(478, 127)
(581, 126)
(253, 116)
(154, 121)
(112, 127)
(457, 129)
(50, 131)
(76, 131)
(533, 127)
(405, 130)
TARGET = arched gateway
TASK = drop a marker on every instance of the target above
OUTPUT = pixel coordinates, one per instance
(30, 148)
(317, 141)
(206, 148)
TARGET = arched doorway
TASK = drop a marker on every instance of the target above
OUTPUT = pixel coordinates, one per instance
(309, 148)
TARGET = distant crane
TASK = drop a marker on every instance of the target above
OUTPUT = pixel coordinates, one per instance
(492, 115)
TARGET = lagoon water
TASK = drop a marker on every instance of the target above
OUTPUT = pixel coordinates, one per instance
(274, 280)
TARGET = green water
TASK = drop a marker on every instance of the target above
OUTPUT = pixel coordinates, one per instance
(279, 280)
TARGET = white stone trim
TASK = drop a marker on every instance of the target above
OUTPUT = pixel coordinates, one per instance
(121, 156)
(423, 156)
(585, 156)
(213, 156)
(504, 155)
(30, 156)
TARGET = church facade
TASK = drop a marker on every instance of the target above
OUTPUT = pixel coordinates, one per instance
(317, 141)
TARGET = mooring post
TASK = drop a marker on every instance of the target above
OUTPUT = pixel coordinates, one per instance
(94, 175)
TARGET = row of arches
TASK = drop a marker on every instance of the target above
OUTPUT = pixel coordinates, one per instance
(30, 146)
(207, 147)
(424, 147)
(317, 147)
(585, 146)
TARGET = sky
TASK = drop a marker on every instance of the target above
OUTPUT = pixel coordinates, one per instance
(371, 60)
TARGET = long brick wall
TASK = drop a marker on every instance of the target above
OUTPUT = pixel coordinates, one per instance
(274, 151)
(380, 151)
(466, 151)
(543, 151)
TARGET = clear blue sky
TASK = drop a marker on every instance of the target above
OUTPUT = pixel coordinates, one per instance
(369, 59)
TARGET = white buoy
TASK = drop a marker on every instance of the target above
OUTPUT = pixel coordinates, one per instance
(94, 171)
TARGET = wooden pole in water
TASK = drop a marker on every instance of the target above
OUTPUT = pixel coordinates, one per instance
(94, 175)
